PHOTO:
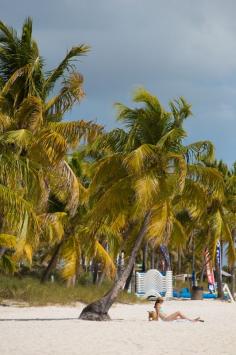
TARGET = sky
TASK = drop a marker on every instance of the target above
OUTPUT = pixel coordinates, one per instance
(171, 47)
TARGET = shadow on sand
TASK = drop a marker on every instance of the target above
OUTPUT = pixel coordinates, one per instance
(34, 319)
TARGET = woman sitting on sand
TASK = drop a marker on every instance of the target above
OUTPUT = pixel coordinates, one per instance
(174, 316)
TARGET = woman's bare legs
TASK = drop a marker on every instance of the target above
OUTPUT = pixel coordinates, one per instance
(179, 315)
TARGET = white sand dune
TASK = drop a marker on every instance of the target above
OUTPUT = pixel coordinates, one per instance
(128, 333)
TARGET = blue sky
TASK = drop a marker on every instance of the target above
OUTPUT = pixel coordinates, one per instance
(172, 47)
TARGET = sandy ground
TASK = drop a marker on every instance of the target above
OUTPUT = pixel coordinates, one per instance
(56, 330)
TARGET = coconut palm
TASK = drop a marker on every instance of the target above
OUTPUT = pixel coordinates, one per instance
(84, 241)
(208, 212)
(23, 75)
(141, 178)
(33, 143)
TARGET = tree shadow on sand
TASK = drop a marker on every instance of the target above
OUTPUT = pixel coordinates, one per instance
(34, 319)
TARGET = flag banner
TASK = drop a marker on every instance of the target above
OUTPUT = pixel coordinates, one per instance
(218, 254)
(209, 271)
(194, 280)
(219, 257)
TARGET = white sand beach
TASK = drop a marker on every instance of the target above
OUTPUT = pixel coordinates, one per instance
(49, 330)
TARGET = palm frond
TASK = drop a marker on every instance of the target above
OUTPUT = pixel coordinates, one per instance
(17, 211)
(7, 241)
(70, 93)
(158, 222)
(28, 252)
(23, 177)
(194, 198)
(151, 101)
(106, 171)
(65, 65)
(69, 256)
(105, 258)
(22, 138)
(111, 142)
(180, 110)
(52, 226)
(171, 138)
(179, 236)
(115, 199)
(135, 161)
(210, 178)
(215, 227)
(30, 114)
(5, 122)
(7, 34)
(12, 80)
(176, 163)
(73, 131)
(49, 148)
(147, 189)
(67, 187)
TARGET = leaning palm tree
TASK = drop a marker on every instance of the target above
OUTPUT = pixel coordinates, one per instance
(141, 176)
(137, 194)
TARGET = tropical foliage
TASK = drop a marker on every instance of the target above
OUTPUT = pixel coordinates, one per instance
(67, 208)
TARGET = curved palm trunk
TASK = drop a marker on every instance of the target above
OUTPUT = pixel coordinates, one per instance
(98, 310)
(153, 258)
(145, 256)
(128, 281)
(52, 263)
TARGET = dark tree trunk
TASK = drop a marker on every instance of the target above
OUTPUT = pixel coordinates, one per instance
(98, 310)
(101, 277)
(193, 262)
(157, 259)
(129, 279)
(219, 281)
(95, 272)
(83, 263)
(153, 259)
(145, 254)
(202, 273)
(52, 263)
(121, 264)
(179, 261)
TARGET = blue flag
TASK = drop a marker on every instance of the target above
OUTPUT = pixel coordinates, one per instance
(218, 255)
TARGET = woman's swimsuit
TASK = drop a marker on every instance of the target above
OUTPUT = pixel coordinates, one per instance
(162, 313)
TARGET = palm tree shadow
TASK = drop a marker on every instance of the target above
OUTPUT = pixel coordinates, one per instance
(34, 319)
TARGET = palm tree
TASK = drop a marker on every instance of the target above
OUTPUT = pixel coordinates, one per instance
(207, 212)
(33, 143)
(84, 241)
(141, 176)
(23, 75)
